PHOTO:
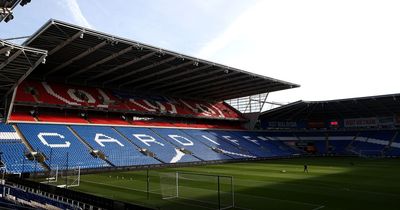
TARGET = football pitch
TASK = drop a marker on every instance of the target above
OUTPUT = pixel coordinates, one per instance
(331, 183)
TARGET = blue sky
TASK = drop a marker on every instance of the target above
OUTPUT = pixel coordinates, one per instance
(334, 49)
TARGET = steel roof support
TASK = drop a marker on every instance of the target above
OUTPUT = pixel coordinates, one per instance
(10, 59)
(108, 58)
(64, 43)
(340, 114)
(155, 74)
(140, 70)
(217, 87)
(288, 109)
(243, 87)
(366, 108)
(202, 81)
(116, 68)
(22, 78)
(383, 106)
(5, 49)
(240, 93)
(187, 71)
(184, 80)
(83, 54)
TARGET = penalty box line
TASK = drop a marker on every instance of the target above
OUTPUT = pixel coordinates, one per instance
(318, 206)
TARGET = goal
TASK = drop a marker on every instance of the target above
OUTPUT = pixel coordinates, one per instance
(65, 178)
(209, 190)
(53, 176)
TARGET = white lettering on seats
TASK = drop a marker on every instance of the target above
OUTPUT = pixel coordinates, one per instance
(50, 91)
(72, 94)
(43, 140)
(177, 137)
(178, 156)
(146, 139)
(229, 138)
(100, 138)
(252, 140)
(150, 109)
(206, 137)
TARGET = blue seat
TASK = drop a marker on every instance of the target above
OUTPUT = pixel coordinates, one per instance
(117, 149)
(14, 152)
(241, 142)
(60, 146)
(269, 148)
(199, 149)
(214, 141)
(164, 150)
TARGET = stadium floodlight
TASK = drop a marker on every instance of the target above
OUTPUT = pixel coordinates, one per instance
(9, 17)
(8, 52)
(44, 61)
(24, 2)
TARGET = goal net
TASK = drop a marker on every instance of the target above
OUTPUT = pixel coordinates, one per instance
(52, 176)
(215, 191)
(64, 178)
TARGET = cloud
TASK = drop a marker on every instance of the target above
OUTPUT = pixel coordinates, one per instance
(333, 49)
(77, 14)
(232, 32)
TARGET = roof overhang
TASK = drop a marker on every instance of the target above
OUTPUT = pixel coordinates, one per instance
(371, 106)
(82, 56)
(16, 63)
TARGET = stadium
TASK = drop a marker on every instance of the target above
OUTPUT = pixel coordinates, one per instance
(95, 121)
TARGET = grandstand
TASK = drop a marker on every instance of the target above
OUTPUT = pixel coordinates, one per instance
(88, 102)
(366, 126)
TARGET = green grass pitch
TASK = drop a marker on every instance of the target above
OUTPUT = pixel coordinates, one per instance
(332, 183)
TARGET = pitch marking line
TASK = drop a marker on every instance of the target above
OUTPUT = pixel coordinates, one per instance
(318, 208)
(284, 200)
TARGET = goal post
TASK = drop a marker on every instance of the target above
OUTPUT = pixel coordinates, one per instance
(211, 190)
(53, 176)
(64, 178)
(74, 177)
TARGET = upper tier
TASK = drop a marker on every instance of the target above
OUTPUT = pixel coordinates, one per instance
(50, 94)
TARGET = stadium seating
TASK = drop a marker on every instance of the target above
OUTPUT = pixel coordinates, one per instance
(394, 149)
(219, 144)
(21, 116)
(33, 92)
(35, 200)
(60, 146)
(270, 147)
(371, 143)
(317, 139)
(134, 146)
(61, 118)
(14, 152)
(165, 151)
(117, 149)
(194, 145)
(242, 143)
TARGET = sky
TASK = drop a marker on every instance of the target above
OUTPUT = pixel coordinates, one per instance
(333, 49)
